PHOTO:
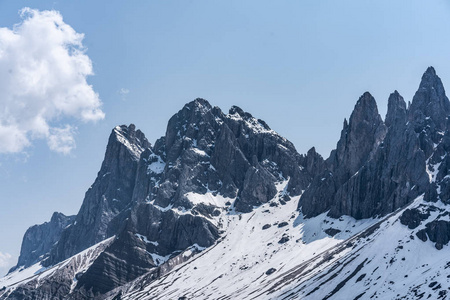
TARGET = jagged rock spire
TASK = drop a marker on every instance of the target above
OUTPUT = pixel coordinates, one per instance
(396, 112)
(358, 138)
(110, 194)
(430, 105)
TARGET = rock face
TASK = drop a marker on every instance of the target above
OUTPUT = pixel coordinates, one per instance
(160, 200)
(110, 194)
(233, 155)
(204, 153)
(39, 240)
(164, 235)
(360, 137)
(379, 166)
(156, 202)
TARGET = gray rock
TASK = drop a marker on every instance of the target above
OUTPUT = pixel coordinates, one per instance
(332, 231)
(413, 217)
(359, 140)
(429, 110)
(39, 240)
(377, 168)
(148, 231)
(110, 194)
(438, 231)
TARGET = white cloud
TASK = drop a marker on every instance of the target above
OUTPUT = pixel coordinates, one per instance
(123, 92)
(61, 139)
(5, 260)
(43, 71)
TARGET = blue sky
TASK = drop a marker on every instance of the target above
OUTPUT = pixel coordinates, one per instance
(298, 65)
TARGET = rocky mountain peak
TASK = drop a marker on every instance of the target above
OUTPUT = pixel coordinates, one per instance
(238, 115)
(363, 132)
(236, 110)
(430, 105)
(195, 125)
(365, 110)
(396, 112)
(58, 217)
(134, 140)
(360, 137)
(314, 162)
(198, 107)
(109, 195)
(200, 103)
(39, 239)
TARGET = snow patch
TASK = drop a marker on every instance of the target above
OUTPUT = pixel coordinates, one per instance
(134, 149)
(145, 240)
(208, 198)
(156, 167)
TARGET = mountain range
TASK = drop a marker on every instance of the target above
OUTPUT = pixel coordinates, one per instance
(223, 207)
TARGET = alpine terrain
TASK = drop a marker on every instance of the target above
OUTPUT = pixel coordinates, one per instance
(223, 207)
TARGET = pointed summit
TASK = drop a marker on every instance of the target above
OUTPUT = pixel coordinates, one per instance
(430, 71)
(365, 110)
(109, 195)
(359, 136)
(195, 125)
(430, 105)
(134, 140)
(396, 112)
(198, 104)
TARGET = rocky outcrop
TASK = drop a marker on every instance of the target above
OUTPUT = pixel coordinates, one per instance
(379, 166)
(360, 137)
(234, 155)
(39, 240)
(438, 231)
(413, 217)
(110, 194)
(149, 239)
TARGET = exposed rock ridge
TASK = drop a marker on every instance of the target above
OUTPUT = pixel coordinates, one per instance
(386, 167)
(38, 240)
(110, 194)
(233, 155)
(147, 195)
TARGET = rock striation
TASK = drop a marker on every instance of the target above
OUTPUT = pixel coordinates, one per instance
(379, 166)
(110, 194)
(39, 240)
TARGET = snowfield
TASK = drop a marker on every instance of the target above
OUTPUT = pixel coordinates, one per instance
(367, 259)
(250, 257)
(275, 253)
(67, 269)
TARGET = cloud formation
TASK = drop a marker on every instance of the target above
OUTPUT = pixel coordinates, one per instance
(123, 92)
(43, 87)
(5, 260)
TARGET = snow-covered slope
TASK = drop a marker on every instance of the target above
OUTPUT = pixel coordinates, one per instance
(63, 274)
(367, 259)
(255, 249)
